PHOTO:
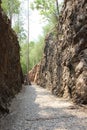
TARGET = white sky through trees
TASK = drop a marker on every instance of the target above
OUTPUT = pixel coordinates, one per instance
(35, 22)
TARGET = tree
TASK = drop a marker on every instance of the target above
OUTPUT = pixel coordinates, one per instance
(11, 7)
(20, 31)
(57, 6)
(28, 36)
(48, 8)
(35, 53)
(24, 57)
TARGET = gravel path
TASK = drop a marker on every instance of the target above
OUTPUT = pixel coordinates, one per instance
(36, 109)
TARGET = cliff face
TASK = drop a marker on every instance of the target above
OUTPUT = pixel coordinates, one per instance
(10, 68)
(33, 73)
(63, 68)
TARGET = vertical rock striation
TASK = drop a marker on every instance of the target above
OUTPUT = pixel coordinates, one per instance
(33, 73)
(10, 68)
(63, 68)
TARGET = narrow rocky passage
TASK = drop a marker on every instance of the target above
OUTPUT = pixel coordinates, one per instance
(36, 109)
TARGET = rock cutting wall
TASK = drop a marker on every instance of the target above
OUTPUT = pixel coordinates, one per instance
(10, 68)
(33, 73)
(63, 68)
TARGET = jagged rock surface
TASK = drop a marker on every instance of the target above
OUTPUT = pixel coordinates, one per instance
(10, 68)
(63, 68)
(33, 73)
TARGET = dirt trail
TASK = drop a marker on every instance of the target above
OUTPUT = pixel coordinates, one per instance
(36, 109)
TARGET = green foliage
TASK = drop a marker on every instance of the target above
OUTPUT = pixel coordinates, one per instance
(47, 29)
(11, 6)
(20, 31)
(24, 58)
(35, 54)
(47, 8)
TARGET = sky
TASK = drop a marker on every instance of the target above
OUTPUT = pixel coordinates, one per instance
(35, 21)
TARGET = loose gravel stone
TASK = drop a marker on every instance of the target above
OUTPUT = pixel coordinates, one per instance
(36, 109)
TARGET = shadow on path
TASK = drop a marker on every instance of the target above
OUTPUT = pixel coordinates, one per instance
(36, 109)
